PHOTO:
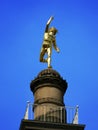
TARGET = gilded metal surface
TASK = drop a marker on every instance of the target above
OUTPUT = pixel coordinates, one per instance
(49, 41)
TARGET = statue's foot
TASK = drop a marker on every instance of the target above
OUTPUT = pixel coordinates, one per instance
(50, 67)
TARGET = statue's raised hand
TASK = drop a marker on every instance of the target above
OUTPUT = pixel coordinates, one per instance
(50, 19)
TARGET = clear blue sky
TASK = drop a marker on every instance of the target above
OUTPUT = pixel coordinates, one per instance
(22, 24)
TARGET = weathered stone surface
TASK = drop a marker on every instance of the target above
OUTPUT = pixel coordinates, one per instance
(48, 89)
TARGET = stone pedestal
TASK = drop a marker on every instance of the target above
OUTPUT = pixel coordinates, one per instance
(49, 89)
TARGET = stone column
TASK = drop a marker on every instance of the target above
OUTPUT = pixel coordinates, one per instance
(49, 89)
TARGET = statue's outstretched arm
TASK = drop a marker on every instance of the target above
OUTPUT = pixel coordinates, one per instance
(55, 46)
(48, 23)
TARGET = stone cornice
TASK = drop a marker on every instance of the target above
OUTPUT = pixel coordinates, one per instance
(48, 78)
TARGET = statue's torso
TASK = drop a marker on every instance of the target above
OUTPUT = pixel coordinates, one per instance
(48, 40)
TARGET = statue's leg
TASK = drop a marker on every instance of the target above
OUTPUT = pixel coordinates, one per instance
(49, 57)
(43, 51)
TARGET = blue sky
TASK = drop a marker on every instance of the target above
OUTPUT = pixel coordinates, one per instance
(22, 25)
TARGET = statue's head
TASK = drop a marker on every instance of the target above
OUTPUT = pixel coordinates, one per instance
(53, 30)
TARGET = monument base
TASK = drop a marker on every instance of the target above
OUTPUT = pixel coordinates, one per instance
(38, 125)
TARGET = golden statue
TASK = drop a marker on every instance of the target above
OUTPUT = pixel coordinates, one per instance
(48, 42)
